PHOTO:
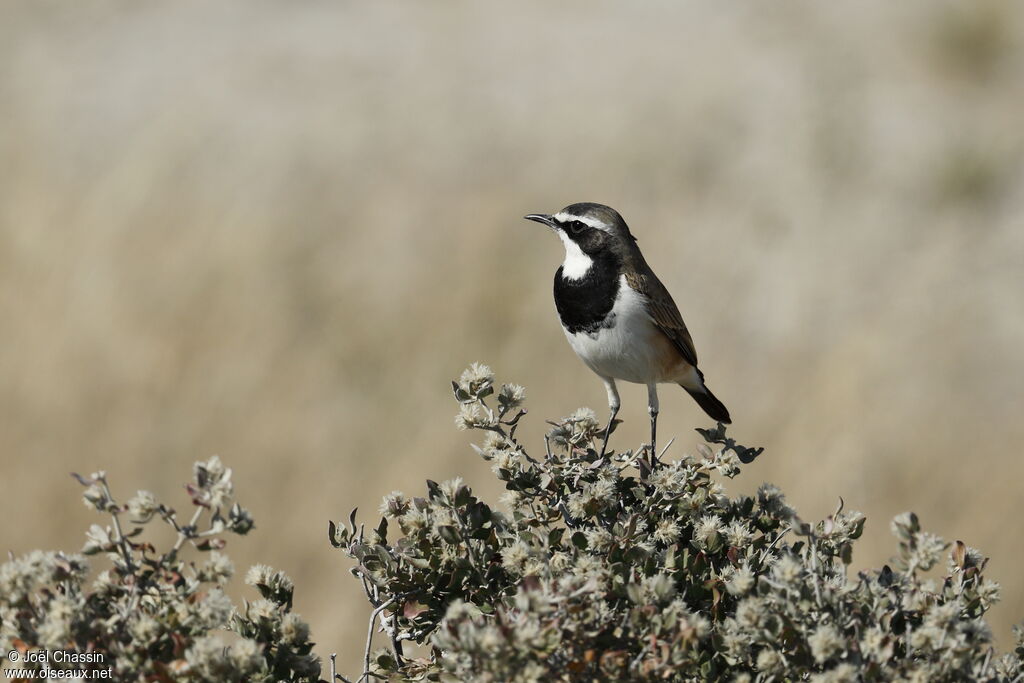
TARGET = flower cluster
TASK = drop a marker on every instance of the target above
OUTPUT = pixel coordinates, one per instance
(153, 615)
(599, 570)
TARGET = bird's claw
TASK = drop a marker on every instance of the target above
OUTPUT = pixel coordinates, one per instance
(651, 450)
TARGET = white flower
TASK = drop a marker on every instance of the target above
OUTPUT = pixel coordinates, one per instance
(217, 568)
(769, 661)
(599, 539)
(259, 574)
(750, 613)
(95, 497)
(394, 505)
(55, 631)
(469, 416)
(740, 581)
(414, 521)
(707, 531)
(771, 500)
(262, 610)
(945, 615)
(667, 531)
(825, 642)
(511, 395)
(215, 609)
(787, 569)
(738, 534)
(476, 378)
(144, 628)
(451, 487)
(927, 551)
(514, 556)
(142, 506)
(904, 526)
(213, 482)
(875, 644)
(246, 656)
(989, 592)
(97, 538)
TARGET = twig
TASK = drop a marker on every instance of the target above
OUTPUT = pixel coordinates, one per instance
(185, 533)
(631, 460)
(396, 643)
(770, 546)
(122, 542)
(369, 636)
(814, 567)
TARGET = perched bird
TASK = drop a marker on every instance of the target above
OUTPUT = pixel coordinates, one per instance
(619, 319)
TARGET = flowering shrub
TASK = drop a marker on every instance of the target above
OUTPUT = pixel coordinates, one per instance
(601, 570)
(150, 615)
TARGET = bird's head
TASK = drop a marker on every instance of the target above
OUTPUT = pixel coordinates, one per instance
(588, 228)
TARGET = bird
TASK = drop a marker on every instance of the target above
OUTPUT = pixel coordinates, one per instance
(617, 315)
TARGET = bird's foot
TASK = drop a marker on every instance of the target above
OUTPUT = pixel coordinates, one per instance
(653, 453)
(612, 423)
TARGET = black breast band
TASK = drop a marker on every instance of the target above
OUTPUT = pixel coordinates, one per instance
(585, 305)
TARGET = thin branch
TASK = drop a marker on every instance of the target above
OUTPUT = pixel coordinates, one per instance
(369, 636)
(184, 533)
(770, 546)
(122, 542)
(396, 642)
(814, 567)
(988, 658)
(631, 460)
(335, 676)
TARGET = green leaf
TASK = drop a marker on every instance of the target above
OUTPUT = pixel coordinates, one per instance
(337, 537)
(413, 609)
(460, 395)
(858, 528)
(463, 496)
(449, 534)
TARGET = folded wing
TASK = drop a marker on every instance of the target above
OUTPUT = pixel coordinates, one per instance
(664, 313)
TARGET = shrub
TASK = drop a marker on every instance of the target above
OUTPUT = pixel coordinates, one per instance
(150, 615)
(603, 570)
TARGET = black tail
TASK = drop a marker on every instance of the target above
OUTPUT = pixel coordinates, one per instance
(715, 409)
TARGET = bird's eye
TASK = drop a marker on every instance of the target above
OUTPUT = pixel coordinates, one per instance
(577, 227)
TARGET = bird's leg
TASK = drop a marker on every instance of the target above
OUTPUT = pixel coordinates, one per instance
(652, 410)
(613, 406)
(608, 429)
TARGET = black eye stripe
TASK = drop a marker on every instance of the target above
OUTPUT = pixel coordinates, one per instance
(573, 225)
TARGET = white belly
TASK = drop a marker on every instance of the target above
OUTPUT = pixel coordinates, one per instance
(632, 349)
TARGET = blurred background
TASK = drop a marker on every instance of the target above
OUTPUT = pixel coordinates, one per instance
(274, 231)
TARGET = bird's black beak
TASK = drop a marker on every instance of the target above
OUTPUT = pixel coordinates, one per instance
(541, 218)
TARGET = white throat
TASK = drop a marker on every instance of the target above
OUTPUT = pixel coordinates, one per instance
(576, 263)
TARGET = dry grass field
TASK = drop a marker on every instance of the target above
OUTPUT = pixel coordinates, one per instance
(274, 231)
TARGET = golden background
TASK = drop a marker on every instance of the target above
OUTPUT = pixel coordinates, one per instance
(273, 231)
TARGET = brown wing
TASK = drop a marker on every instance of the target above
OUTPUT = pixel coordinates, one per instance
(664, 313)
